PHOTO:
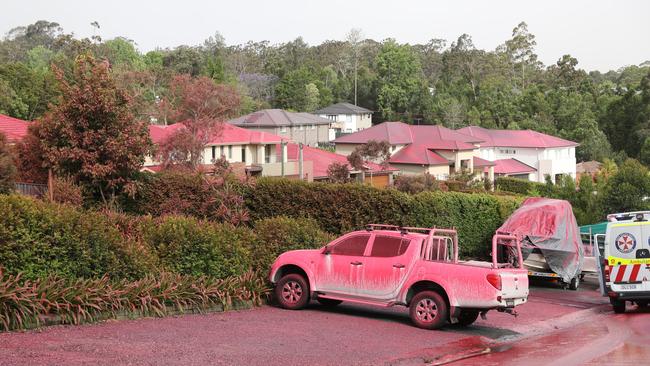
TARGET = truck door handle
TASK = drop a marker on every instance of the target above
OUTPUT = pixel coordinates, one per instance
(356, 263)
(398, 265)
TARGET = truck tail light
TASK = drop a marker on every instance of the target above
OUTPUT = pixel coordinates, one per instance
(494, 280)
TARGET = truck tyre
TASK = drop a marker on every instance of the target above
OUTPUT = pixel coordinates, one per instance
(467, 317)
(575, 282)
(619, 307)
(328, 302)
(292, 292)
(428, 310)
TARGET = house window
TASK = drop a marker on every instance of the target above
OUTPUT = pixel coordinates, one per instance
(283, 129)
(300, 127)
(229, 151)
(222, 151)
(267, 153)
(313, 127)
(214, 152)
(507, 151)
(243, 154)
(331, 117)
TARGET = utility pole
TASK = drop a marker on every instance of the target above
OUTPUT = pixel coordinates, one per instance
(356, 66)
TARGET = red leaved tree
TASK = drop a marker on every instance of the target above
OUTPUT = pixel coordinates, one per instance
(375, 151)
(202, 106)
(91, 135)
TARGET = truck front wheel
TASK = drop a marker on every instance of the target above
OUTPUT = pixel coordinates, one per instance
(428, 310)
(292, 292)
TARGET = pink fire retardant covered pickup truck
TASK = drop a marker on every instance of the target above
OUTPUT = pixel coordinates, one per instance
(387, 265)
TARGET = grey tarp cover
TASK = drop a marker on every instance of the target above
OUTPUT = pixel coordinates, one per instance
(549, 225)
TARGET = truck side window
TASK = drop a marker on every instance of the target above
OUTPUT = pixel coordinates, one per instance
(354, 245)
(389, 246)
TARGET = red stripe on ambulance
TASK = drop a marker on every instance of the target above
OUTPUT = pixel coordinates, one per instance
(621, 273)
(635, 272)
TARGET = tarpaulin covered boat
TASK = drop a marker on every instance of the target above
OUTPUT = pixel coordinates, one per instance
(550, 237)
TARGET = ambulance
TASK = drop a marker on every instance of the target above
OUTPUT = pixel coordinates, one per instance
(625, 261)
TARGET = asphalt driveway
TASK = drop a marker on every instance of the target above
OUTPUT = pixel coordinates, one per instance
(345, 335)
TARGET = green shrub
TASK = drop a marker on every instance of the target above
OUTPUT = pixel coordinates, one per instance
(217, 198)
(195, 247)
(516, 185)
(339, 208)
(40, 239)
(277, 235)
(475, 216)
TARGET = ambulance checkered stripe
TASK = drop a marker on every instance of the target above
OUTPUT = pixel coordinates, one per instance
(628, 273)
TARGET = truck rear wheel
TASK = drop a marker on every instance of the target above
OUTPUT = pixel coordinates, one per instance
(428, 310)
(619, 307)
(292, 292)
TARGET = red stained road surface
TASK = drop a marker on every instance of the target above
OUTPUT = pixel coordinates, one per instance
(345, 335)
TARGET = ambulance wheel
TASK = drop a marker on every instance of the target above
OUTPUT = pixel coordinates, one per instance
(619, 307)
(575, 282)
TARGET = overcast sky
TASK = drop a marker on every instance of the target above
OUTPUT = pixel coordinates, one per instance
(602, 35)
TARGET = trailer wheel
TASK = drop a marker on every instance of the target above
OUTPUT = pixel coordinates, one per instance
(575, 282)
(619, 307)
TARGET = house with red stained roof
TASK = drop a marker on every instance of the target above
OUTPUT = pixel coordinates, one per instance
(13, 128)
(420, 149)
(525, 154)
(373, 174)
(251, 149)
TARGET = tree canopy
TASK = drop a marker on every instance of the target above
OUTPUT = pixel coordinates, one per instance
(439, 82)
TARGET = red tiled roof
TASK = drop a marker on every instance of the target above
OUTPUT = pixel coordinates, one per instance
(515, 138)
(479, 162)
(13, 128)
(400, 133)
(159, 133)
(321, 159)
(418, 154)
(228, 135)
(512, 166)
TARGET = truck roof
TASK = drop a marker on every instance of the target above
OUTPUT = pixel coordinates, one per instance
(405, 234)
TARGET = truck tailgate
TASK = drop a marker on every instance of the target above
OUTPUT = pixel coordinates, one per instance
(514, 283)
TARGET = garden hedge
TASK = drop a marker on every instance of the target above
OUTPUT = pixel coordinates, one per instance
(39, 239)
(338, 208)
(519, 186)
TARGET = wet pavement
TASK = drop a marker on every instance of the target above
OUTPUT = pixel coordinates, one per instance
(555, 323)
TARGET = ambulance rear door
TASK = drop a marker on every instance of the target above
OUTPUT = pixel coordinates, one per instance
(628, 251)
